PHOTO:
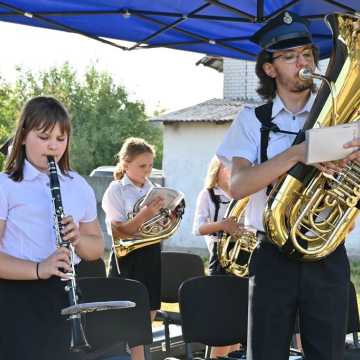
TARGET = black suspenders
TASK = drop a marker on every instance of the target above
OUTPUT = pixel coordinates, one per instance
(263, 114)
(216, 200)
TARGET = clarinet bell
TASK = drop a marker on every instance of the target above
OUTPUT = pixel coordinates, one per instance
(78, 339)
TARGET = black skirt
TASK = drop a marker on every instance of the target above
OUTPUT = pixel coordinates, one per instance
(32, 326)
(143, 265)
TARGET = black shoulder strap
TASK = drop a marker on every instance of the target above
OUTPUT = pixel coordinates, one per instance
(216, 200)
(263, 113)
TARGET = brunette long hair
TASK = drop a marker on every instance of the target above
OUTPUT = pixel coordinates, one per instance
(267, 85)
(40, 113)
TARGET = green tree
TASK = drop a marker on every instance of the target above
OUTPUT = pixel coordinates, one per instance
(102, 114)
(9, 108)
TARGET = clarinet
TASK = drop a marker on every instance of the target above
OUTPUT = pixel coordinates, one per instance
(78, 339)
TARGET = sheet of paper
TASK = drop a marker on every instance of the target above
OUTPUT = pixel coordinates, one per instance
(171, 197)
(326, 144)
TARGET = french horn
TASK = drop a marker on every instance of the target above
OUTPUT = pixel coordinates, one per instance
(234, 251)
(160, 227)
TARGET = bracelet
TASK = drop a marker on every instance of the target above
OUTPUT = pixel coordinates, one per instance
(37, 271)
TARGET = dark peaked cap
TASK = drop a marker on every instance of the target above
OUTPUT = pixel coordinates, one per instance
(283, 32)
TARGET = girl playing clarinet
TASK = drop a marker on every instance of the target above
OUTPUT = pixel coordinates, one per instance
(31, 265)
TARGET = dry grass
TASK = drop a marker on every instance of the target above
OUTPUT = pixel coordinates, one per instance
(170, 307)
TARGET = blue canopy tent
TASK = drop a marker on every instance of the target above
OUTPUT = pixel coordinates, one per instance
(213, 27)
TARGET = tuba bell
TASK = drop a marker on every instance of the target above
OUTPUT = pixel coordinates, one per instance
(309, 213)
(160, 227)
(234, 251)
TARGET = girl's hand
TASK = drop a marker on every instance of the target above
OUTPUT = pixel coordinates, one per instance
(230, 226)
(57, 264)
(153, 207)
(70, 230)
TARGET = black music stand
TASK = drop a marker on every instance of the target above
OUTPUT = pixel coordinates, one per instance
(176, 267)
(107, 331)
(214, 311)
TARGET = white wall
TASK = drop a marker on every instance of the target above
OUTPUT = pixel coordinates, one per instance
(188, 149)
(240, 81)
(352, 243)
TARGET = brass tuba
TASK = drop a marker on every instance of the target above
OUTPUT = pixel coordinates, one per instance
(160, 227)
(309, 213)
(234, 251)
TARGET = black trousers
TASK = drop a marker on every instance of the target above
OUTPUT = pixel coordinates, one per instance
(280, 287)
(215, 267)
(32, 327)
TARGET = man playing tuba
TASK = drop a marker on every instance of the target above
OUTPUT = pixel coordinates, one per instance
(258, 146)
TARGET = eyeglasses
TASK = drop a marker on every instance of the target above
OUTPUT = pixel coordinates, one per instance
(292, 57)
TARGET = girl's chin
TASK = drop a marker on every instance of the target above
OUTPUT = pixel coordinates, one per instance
(40, 167)
(139, 182)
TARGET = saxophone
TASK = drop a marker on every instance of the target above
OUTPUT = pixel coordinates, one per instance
(309, 213)
(234, 251)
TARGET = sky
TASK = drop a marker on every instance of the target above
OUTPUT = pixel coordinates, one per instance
(163, 79)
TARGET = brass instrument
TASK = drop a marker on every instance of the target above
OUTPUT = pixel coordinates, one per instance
(234, 251)
(160, 227)
(309, 213)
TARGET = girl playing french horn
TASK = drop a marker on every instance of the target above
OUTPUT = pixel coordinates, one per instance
(31, 266)
(135, 162)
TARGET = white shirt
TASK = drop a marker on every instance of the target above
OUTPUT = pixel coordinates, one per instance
(243, 140)
(205, 212)
(26, 206)
(119, 199)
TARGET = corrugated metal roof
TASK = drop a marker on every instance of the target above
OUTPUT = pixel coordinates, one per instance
(214, 110)
(213, 62)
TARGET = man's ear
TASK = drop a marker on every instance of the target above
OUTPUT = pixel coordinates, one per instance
(269, 70)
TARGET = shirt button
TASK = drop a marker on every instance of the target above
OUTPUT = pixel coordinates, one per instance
(47, 184)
